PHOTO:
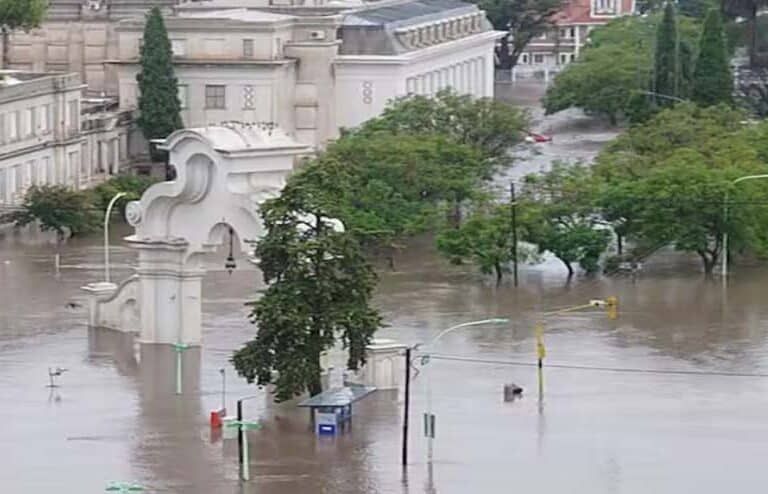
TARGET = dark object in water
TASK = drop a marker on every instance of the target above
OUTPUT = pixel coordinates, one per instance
(512, 391)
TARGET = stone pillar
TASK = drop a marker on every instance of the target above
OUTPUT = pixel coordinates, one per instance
(385, 368)
(170, 292)
(98, 292)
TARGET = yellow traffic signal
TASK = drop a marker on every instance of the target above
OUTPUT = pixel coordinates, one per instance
(612, 305)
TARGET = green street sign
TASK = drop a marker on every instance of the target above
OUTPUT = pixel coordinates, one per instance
(124, 487)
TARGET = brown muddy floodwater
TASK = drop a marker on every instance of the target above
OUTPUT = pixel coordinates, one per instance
(635, 425)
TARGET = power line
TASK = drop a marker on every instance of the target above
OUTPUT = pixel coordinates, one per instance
(475, 360)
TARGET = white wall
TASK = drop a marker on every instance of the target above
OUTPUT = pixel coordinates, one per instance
(365, 84)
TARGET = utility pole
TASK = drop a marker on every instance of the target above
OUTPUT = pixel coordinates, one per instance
(407, 404)
(513, 212)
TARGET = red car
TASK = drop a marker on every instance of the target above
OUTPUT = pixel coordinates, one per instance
(538, 138)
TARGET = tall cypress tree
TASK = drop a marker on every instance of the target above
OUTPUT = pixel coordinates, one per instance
(666, 62)
(159, 104)
(712, 80)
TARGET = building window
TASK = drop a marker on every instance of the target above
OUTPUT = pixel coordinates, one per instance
(16, 180)
(73, 117)
(542, 36)
(42, 119)
(279, 47)
(30, 174)
(13, 126)
(568, 33)
(215, 97)
(248, 99)
(525, 59)
(29, 123)
(179, 47)
(71, 167)
(248, 48)
(183, 96)
(563, 58)
(538, 59)
(50, 176)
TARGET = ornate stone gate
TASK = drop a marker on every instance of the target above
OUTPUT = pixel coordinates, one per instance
(223, 174)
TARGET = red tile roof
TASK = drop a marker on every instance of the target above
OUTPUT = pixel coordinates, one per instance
(580, 12)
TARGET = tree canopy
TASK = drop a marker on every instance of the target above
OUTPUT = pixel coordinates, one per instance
(522, 20)
(614, 72)
(58, 209)
(319, 291)
(159, 105)
(19, 14)
(712, 78)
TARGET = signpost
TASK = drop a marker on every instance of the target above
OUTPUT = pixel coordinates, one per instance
(179, 348)
(124, 487)
(244, 426)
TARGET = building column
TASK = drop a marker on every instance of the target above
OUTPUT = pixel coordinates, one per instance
(116, 155)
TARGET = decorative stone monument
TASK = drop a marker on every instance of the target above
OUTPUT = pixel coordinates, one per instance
(223, 174)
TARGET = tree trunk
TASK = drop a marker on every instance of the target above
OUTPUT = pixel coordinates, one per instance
(391, 258)
(620, 244)
(502, 51)
(6, 48)
(454, 215)
(569, 267)
(315, 384)
(499, 273)
(709, 263)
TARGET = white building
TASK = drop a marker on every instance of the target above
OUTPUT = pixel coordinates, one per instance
(45, 139)
(313, 70)
(561, 45)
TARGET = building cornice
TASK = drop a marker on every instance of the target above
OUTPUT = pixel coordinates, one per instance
(425, 53)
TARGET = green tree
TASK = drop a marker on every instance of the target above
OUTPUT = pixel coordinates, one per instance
(666, 71)
(319, 292)
(521, 20)
(159, 105)
(489, 126)
(485, 239)
(613, 73)
(58, 209)
(133, 185)
(712, 79)
(19, 14)
(559, 217)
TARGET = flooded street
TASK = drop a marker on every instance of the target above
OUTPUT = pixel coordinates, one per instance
(670, 398)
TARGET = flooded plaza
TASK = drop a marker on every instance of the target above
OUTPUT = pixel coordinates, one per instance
(669, 398)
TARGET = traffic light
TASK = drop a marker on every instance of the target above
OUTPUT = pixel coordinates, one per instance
(612, 305)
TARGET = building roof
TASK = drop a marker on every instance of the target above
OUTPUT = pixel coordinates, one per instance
(410, 12)
(233, 137)
(580, 12)
(237, 14)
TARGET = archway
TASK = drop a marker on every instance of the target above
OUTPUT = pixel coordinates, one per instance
(223, 174)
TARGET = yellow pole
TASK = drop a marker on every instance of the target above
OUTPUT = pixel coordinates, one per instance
(541, 352)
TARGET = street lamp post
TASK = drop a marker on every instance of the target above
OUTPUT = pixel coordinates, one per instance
(724, 264)
(106, 233)
(429, 417)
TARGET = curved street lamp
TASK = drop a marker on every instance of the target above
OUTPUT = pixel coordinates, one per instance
(429, 417)
(724, 264)
(106, 233)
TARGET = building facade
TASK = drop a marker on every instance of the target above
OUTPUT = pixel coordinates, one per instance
(553, 50)
(48, 135)
(313, 70)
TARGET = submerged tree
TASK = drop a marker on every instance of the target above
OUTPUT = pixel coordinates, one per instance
(319, 291)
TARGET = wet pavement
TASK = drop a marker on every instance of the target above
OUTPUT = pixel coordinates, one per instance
(660, 414)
